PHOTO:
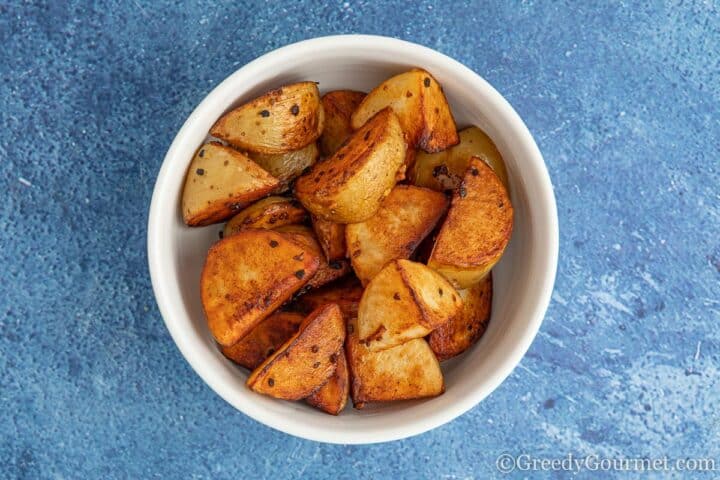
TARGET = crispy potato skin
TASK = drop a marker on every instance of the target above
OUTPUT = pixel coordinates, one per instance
(466, 328)
(279, 121)
(305, 362)
(404, 218)
(331, 237)
(338, 106)
(268, 213)
(264, 339)
(247, 276)
(346, 293)
(477, 228)
(420, 104)
(332, 397)
(349, 186)
(286, 167)
(220, 181)
(405, 372)
(406, 300)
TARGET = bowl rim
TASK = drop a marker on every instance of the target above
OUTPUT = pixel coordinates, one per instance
(184, 339)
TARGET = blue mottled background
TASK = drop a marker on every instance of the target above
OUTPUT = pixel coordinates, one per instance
(624, 101)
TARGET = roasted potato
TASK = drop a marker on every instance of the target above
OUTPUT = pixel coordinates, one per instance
(219, 183)
(263, 340)
(247, 276)
(445, 170)
(280, 121)
(404, 372)
(477, 228)
(346, 293)
(331, 237)
(327, 271)
(305, 362)
(406, 300)
(349, 186)
(404, 218)
(338, 106)
(463, 330)
(268, 213)
(332, 397)
(286, 167)
(419, 102)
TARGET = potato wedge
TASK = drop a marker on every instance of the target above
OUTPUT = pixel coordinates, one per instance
(346, 293)
(327, 271)
(279, 121)
(349, 186)
(463, 330)
(247, 276)
(220, 182)
(404, 218)
(406, 300)
(331, 237)
(305, 362)
(477, 228)
(263, 340)
(286, 167)
(445, 170)
(338, 106)
(332, 397)
(404, 372)
(268, 213)
(420, 104)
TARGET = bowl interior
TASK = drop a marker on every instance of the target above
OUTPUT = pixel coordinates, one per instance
(521, 278)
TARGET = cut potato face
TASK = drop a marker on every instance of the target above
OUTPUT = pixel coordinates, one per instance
(477, 228)
(346, 293)
(406, 300)
(305, 362)
(286, 167)
(332, 397)
(338, 106)
(349, 186)
(404, 218)
(268, 213)
(264, 340)
(331, 237)
(445, 170)
(247, 276)
(280, 121)
(463, 330)
(405, 372)
(220, 182)
(420, 104)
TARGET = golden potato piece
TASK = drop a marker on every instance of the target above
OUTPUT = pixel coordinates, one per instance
(406, 300)
(268, 213)
(332, 397)
(279, 121)
(286, 167)
(219, 183)
(404, 372)
(338, 106)
(346, 293)
(420, 104)
(305, 362)
(404, 218)
(247, 276)
(445, 170)
(331, 237)
(463, 330)
(264, 339)
(477, 228)
(327, 271)
(349, 186)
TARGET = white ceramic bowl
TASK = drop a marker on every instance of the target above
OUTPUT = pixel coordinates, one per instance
(523, 279)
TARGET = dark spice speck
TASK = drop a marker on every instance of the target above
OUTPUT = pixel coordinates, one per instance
(426, 82)
(295, 110)
(396, 296)
(316, 364)
(273, 243)
(300, 274)
(474, 172)
(314, 349)
(200, 171)
(264, 113)
(201, 153)
(271, 382)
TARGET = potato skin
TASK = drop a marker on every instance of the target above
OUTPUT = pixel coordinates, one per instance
(235, 299)
(332, 397)
(349, 186)
(305, 362)
(466, 328)
(286, 167)
(331, 237)
(346, 293)
(268, 213)
(477, 228)
(338, 106)
(279, 121)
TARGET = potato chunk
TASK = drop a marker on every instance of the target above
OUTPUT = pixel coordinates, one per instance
(268, 213)
(286, 167)
(332, 397)
(220, 182)
(346, 293)
(338, 106)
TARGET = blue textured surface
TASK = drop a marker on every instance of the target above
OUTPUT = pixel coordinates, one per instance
(624, 101)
